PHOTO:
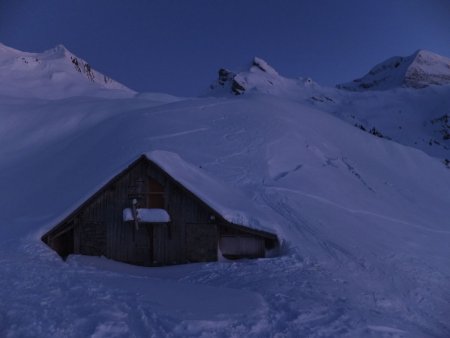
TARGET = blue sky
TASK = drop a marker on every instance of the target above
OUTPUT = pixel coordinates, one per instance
(177, 46)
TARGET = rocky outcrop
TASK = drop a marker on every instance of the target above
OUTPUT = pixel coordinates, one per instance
(227, 80)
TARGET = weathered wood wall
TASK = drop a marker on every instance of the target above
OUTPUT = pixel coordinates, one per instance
(191, 236)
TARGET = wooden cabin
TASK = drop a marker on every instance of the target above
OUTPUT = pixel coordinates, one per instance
(145, 216)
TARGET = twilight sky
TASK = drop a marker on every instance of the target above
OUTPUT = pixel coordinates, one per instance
(177, 46)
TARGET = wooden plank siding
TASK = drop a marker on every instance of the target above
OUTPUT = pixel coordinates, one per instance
(192, 235)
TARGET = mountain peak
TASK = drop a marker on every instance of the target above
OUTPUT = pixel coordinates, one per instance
(54, 73)
(59, 50)
(259, 77)
(424, 53)
(419, 70)
(237, 83)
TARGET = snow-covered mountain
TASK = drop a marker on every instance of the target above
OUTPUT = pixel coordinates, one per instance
(54, 74)
(416, 118)
(419, 70)
(363, 219)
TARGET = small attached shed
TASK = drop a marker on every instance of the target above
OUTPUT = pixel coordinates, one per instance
(159, 211)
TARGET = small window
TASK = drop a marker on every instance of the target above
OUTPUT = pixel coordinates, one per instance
(155, 197)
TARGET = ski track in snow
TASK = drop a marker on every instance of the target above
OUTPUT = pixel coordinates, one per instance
(183, 133)
(362, 212)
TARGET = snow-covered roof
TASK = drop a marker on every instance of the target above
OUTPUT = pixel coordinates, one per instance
(147, 215)
(227, 201)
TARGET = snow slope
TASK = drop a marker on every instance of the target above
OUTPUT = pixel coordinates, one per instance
(364, 219)
(416, 117)
(53, 74)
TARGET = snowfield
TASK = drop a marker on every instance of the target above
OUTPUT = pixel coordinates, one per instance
(363, 219)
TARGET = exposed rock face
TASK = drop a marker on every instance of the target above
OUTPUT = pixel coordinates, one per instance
(263, 66)
(237, 88)
(227, 81)
(419, 70)
(224, 76)
(444, 126)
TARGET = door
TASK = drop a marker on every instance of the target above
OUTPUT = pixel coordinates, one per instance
(235, 246)
(201, 242)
